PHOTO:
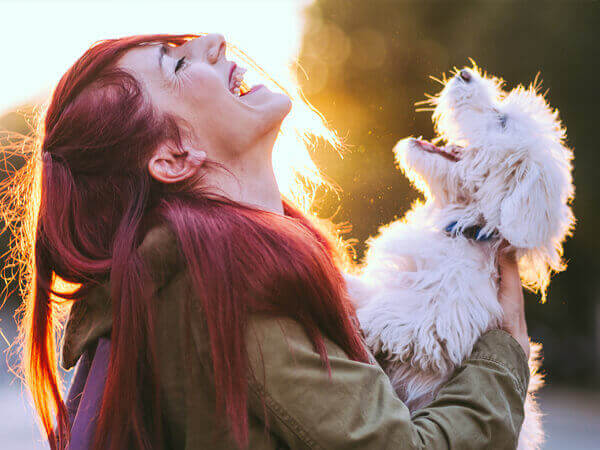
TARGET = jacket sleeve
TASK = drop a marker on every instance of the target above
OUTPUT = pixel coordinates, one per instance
(481, 406)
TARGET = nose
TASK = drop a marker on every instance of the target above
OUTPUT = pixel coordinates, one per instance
(215, 42)
(211, 45)
(465, 75)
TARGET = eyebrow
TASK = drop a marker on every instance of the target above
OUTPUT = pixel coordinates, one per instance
(162, 50)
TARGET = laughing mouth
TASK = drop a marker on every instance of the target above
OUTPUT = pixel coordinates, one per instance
(450, 152)
(233, 66)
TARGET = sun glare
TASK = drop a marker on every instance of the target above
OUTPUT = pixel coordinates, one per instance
(60, 31)
(265, 38)
(268, 31)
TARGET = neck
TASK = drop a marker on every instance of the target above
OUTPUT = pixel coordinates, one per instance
(250, 177)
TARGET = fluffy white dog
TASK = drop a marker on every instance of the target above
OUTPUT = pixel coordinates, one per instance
(428, 287)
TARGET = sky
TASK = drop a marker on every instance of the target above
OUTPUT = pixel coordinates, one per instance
(42, 39)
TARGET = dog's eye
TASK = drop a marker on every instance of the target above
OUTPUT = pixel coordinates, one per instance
(502, 119)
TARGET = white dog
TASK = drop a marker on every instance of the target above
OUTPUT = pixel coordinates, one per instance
(428, 287)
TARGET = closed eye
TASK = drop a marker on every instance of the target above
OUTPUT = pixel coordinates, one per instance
(179, 64)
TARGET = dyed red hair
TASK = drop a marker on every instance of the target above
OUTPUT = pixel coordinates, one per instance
(96, 201)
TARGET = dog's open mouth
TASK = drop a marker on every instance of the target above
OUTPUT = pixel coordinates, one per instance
(450, 152)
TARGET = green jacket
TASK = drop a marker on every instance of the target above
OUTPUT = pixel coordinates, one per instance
(480, 407)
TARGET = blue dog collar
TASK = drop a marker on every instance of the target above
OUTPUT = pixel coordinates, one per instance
(472, 232)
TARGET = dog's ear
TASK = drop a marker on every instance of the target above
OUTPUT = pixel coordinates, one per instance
(527, 214)
(535, 217)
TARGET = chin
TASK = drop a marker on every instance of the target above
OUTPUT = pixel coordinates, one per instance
(275, 103)
(286, 103)
(274, 110)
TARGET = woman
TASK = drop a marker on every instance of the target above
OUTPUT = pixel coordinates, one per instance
(228, 318)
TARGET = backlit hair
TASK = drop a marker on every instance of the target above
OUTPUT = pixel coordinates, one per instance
(79, 208)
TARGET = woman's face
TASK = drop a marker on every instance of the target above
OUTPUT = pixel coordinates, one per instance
(196, 83)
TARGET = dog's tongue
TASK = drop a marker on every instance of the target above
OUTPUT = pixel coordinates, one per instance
(429, 146)
(451, 154)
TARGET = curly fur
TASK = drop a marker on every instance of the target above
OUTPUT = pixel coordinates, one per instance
(424, 295)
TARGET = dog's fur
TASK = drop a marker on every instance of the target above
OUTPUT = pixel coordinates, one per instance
(425, 295)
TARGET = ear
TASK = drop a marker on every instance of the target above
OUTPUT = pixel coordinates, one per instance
(169, 165)
(528, 215)
(536, 218)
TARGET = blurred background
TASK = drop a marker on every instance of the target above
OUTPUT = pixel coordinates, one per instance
(364, 64)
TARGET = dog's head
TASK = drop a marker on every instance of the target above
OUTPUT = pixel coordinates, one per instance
(505, 165)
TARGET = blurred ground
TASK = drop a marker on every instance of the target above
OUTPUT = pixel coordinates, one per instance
(17, 428)
(573, 418)
(572, 421)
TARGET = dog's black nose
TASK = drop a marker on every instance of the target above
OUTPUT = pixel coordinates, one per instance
(465, 75)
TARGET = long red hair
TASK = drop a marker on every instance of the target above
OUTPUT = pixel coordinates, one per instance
(96, 201)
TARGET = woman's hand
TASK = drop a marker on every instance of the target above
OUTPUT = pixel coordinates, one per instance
(510, 297)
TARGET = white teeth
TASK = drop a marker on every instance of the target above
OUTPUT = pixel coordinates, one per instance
(236, 80)
(235, 89)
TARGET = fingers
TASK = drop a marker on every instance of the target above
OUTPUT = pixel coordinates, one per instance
(507, 250)
(510, 295)
(508, 267)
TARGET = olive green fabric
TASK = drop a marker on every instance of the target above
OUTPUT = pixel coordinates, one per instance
(480, 407)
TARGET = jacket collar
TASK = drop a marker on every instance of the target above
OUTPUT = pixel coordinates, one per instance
(91, 317)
